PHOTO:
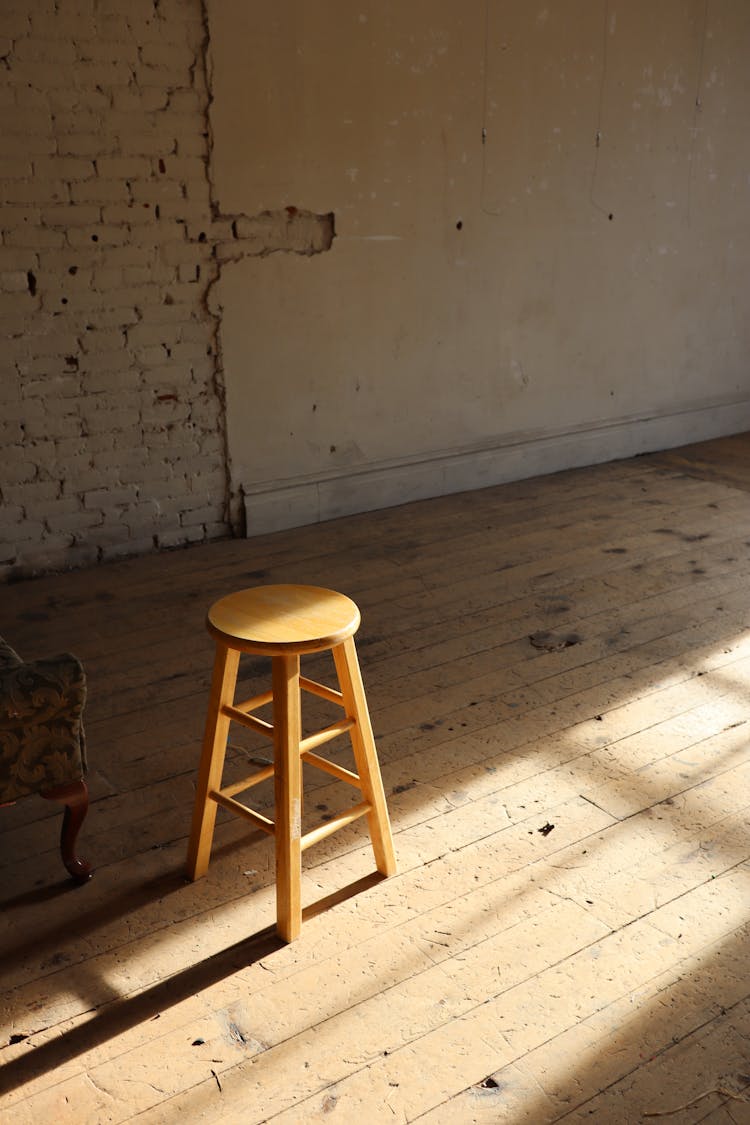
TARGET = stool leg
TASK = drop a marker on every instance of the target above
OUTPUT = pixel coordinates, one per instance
(365, 754)
(287, 727)
(211, 767)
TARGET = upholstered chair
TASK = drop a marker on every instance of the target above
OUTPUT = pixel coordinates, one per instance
(42, 745)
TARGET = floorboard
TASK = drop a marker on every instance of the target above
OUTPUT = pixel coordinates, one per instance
(558, 672)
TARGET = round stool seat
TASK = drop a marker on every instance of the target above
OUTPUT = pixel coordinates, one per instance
(283, 619)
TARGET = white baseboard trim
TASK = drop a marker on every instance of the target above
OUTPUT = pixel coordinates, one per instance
(281, 504)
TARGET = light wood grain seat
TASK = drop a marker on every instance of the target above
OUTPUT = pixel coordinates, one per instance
(284, 623)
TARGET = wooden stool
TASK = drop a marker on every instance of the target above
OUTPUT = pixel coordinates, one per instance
(284, 622)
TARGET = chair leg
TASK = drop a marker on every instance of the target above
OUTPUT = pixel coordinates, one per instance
(287, 726)
(211, 768)
(75, 796)
(365, 754)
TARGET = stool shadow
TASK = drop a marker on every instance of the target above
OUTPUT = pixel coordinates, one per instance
(122, 1014)
(358, 886)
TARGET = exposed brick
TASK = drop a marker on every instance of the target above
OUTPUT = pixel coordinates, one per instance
(15, 217)
(28, 145)
(124, 167)
(28, 121)
(113, 72)
(103, 340)
(56, 426)
(51, 341)
(33, 237)
(105, 498)
(19, 472)
(128, 213)
(156, 191)
(145, 143)
(26, 73)
(108, 406)
(201, 515)
(99, 190)
(16, 282)
(105, 50)
(76, 8)
(86, 144)
(101, 235)
(15, 21)
(109, 382)
(180, 253)
(168, 234)
(66, 217)
(11, 259)
(44, 50)
(17, 168)
(188, 211)
(63, 168)
(34, 191)
(140, 100)
(19, 304)
(161, 75)
(174, 311)
(59, 386)
(192, 144)
(33, 492)
(119, 550)
(74, 521)
(181, 538)
(74, 98)
(107, 420)
(152, 334)
(11, 516)
(131, 463)
(189, 273)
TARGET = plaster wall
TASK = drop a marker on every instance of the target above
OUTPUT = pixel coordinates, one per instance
(541, 248)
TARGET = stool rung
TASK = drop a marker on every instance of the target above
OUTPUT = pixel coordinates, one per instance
(238, 809)
(322, 690)
(338, 821)
(330, 767)
(247, 782)
(260, 726)
(325, 735)
(255, 702)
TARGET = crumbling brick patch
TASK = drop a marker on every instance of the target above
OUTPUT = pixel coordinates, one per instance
(289, 230)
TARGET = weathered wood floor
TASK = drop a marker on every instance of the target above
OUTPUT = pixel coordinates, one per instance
(559, 676)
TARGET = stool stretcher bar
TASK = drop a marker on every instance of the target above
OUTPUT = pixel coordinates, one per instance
(325, 735)
(338, 821)
(260, 726)
(322, 690)
(239, 809)
(247, 782)
(340, 772)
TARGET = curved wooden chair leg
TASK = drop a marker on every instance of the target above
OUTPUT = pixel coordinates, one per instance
(75, 796)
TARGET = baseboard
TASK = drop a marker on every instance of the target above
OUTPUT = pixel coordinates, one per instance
(276, 505)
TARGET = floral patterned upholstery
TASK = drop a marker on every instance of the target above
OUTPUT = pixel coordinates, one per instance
(42, 742)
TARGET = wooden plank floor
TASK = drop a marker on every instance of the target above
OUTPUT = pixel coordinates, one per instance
(559, 677)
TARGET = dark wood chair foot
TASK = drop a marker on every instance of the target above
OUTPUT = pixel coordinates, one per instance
(75, 797)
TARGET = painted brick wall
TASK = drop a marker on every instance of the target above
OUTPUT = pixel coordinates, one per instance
(111, 405)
